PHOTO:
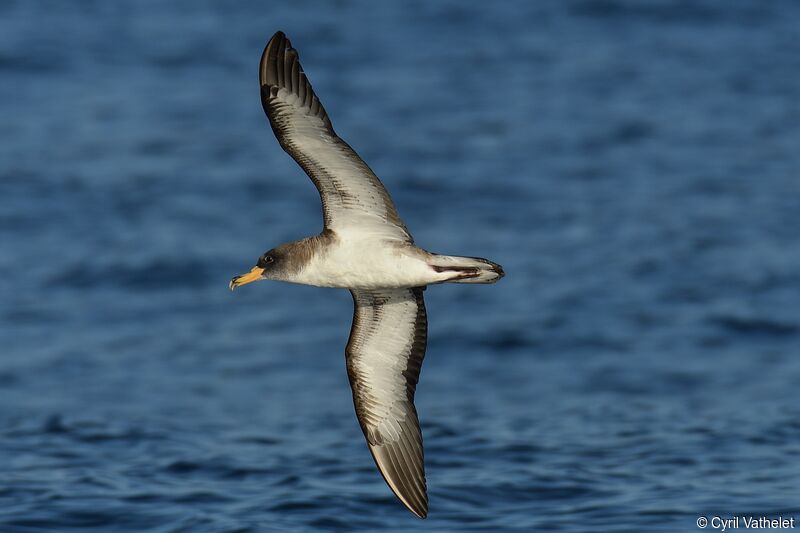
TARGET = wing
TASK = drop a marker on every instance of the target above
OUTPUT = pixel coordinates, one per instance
(384, 356)
(352, 195)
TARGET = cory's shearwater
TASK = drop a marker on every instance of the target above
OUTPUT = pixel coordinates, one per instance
(366, 248)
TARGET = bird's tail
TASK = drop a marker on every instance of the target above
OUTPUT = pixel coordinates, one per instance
(466, 269)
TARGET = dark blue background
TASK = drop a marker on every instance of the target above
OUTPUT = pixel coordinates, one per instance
(633, 165)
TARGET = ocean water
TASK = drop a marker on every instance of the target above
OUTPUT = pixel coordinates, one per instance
(633, 165)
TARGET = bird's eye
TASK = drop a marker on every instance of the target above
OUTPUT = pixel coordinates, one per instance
(269, 259)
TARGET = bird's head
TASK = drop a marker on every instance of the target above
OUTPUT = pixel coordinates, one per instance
(269, 266)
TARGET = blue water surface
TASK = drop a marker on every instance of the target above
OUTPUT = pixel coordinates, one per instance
(633, 165)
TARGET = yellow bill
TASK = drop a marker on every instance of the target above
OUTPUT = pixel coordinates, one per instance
(244, 279)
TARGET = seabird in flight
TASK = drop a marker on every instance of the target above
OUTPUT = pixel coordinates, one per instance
(366, 248)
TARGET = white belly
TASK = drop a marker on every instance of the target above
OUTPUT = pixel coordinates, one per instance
(368, 264)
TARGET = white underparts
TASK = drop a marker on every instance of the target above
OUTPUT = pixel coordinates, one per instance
(367, 263)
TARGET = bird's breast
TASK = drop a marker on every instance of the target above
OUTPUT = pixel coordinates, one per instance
(368, 264)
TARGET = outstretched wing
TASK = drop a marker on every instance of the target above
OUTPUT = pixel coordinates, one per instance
(352, 195)
(384, 356)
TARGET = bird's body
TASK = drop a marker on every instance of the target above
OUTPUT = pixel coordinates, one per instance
(357, 261)
(367, 263)
(366, 248)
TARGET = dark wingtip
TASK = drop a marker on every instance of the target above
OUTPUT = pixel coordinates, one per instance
(418, 507)
(280, 69)
(267, 72)
(398, 468)
(421, 509)
(420, 512)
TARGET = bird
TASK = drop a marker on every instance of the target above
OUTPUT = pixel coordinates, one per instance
(366, 248)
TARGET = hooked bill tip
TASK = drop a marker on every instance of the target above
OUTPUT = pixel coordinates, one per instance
(253, 275)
